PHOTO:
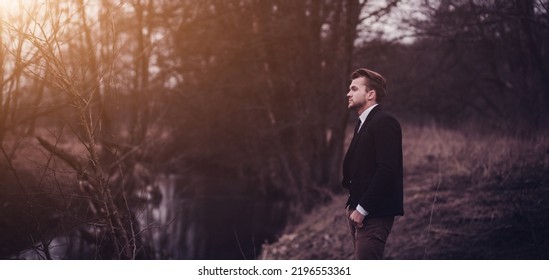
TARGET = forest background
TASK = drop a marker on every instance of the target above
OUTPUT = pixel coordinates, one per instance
(168, 129)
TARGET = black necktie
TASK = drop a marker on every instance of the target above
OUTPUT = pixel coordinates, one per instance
(357, 127)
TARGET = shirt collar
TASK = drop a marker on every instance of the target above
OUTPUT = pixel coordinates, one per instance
(365, 114)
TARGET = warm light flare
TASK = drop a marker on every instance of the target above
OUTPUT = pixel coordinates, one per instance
(14, 8)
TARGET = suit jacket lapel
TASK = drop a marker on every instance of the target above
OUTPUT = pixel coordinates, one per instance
(354, 141)
(362, 129)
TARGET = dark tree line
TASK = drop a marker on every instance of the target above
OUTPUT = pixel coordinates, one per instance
(262, 92)
(472, 61)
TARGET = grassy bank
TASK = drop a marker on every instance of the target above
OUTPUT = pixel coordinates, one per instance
(468, 195)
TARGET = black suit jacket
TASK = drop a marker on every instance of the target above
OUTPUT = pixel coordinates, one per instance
(373, 168)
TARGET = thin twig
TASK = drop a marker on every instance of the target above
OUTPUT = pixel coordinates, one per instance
(439, 181)
(239, 246)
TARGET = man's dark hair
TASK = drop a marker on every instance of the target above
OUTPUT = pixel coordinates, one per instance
(374, 81)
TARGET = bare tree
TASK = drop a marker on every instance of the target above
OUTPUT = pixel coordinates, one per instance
(70, 74)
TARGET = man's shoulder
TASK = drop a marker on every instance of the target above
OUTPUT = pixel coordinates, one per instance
(383, 115)
(384, 121)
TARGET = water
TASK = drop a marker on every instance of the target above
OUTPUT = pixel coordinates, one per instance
(209, 227)
(175, 223)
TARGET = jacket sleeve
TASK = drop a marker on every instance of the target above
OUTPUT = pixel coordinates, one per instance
(388, 164)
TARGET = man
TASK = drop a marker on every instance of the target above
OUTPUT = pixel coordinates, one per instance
(372, 168)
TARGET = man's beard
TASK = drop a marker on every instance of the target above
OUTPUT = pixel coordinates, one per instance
(353, 105)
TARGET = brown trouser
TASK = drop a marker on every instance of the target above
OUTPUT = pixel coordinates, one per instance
(369, 240)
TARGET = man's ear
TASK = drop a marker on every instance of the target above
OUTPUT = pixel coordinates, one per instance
(371, 95)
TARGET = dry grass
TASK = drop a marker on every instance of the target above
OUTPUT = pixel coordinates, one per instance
(468, 195)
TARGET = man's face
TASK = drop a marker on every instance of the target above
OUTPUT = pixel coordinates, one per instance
(358, 94)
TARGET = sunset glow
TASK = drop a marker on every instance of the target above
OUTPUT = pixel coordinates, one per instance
(10, 9)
